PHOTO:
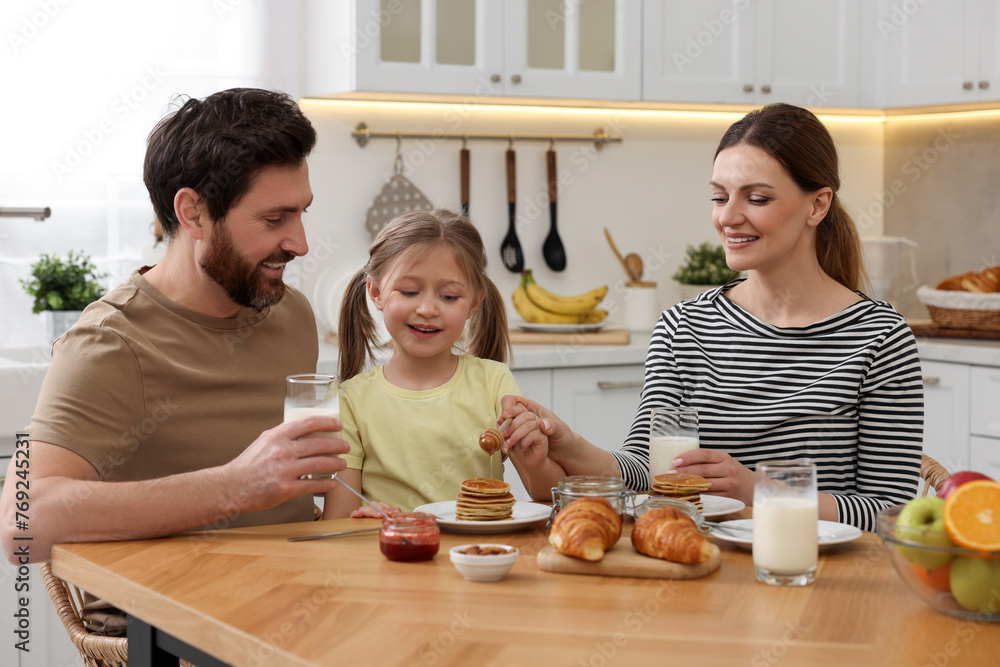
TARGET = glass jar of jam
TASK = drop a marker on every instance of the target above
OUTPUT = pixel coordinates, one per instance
(410, 537)
(592, 486)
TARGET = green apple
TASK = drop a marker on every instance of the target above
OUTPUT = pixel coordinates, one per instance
(922, 520)
(975, 583)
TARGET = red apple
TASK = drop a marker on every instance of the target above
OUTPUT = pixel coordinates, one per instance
(957, 480)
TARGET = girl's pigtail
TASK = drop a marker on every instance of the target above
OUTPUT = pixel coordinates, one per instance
(356, 332)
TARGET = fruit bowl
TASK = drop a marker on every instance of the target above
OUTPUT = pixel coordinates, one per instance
(943, 575)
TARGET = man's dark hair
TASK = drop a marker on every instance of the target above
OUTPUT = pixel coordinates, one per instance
(216, 146)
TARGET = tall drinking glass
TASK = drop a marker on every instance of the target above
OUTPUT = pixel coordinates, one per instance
(785, 523)
(672, 431)
(312, 394)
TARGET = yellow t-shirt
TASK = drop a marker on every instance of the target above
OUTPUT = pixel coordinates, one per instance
(416, 447)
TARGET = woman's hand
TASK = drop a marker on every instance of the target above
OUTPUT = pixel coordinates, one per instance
(729, 477)
(367, 511)
(531, 431)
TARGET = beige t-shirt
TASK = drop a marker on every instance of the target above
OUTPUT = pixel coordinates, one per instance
(416, 447)
(142, 387)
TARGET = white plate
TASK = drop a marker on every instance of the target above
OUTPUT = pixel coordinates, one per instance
(559, 328)
(714, 505)
(830, 533)
(525, 514)
(328, 292)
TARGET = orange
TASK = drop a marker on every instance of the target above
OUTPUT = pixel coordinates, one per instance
(939, 578)
(972, 515)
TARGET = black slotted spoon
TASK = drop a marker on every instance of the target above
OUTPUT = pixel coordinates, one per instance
(510, 249)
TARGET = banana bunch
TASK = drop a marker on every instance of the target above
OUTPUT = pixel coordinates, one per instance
(538, 305)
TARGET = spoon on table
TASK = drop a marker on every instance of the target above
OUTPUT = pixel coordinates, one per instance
(510, 249)
(552, 249)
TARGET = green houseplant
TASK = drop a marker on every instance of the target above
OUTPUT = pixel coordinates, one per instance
(704, 267)
(64, 287)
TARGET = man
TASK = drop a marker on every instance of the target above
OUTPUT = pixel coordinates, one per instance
(162, 409)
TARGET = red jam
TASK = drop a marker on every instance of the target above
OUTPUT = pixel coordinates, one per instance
(410, 537)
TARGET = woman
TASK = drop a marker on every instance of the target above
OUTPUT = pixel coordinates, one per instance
(793, 361)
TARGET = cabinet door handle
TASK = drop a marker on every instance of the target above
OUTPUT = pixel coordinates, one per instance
(966, 85)
(931, 380)
(983, 85)
(516, 78)
(494, 78)
(747, 88)
(765, 89)
(607, 386)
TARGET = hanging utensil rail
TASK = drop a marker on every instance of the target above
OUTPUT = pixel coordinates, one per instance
(362, 134)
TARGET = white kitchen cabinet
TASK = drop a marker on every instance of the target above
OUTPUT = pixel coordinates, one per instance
(946, 413)
(587, 49)
(984, 444)
(738, 52)
(598, 402)
(938, 52)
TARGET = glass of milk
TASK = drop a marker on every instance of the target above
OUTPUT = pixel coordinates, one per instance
(785, 523)
(312, 394)
(672, 431)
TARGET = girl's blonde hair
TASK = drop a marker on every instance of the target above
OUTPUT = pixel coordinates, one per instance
(413, 235)
(802, 145)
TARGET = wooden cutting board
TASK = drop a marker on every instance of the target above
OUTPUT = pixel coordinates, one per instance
(622, 560)
(602, 337)
(931, 330)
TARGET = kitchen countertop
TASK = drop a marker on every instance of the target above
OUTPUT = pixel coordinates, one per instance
(527, 357)
(949, 350)
(959, 351)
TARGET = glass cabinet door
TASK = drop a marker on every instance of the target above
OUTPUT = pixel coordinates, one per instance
(572, 48)
(429, 46)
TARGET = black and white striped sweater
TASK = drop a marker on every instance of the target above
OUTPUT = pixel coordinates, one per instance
(845, 393)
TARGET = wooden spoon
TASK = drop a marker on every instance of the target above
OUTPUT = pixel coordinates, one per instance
(633, 267)
(614, 248)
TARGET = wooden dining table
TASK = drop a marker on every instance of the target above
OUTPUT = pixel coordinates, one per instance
(250, 597)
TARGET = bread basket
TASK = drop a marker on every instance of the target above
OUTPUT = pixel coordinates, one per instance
(962, 310)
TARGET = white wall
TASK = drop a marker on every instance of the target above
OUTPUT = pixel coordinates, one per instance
(651, 190)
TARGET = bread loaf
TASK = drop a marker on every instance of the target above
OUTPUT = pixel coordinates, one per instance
(670, 534)
(586, 528)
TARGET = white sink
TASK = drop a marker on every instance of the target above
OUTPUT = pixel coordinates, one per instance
(21, 374)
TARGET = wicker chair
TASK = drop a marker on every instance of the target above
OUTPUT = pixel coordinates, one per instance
(933, 474)
(96, 650)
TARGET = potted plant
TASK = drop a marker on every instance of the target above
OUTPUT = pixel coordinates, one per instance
(63, 288)
(704, 267)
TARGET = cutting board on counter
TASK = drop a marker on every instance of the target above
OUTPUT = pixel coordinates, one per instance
(602, 337)
(931, 330)
(624, 561)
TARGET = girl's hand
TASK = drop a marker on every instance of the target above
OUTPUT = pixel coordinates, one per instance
(729, 477)
(531, 431)
(367, 511)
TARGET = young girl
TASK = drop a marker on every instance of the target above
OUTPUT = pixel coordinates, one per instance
(414, 423)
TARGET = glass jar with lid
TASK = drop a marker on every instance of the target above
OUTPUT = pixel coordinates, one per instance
(410, 537)
(593, 486)
(655, 502)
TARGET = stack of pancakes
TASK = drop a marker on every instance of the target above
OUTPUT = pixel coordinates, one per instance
(682, 486)
(483, 499)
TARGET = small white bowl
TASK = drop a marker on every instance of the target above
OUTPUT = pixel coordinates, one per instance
(483, 568)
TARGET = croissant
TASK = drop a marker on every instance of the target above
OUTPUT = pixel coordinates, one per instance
(670, 534)
(586, 528)
(987, 280)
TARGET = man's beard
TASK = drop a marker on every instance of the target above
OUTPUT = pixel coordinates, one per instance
(242, 280)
